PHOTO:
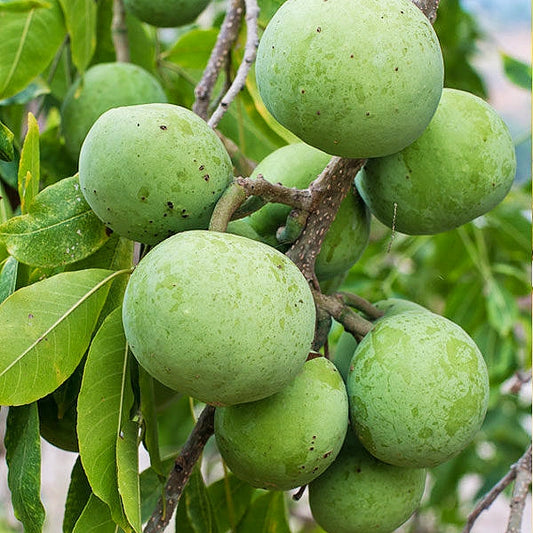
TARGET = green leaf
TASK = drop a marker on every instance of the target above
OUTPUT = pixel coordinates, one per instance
(29, 42)
(59, 228)
(80, 18)
(517, 71)
(5, 207)
(230, 498)
(8, 277)
(100, 406)
(36, 88)
(29, 166)
(23, 456)
(267, 514)
(502, 310)
(22, 5)
(127, 447)
(152, 488)
(6, 143)
(78, 495)
(267, 8)
(95, 518)
(46, 328)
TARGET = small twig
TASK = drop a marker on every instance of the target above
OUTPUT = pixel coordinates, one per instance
(182, 470)
(252, 41)
(428, 7)
(298, 495)
(524, 463)
(353, 300)
(521, 378)
(119, 31)
(275, 192)
(352, 322)
(520, 492)
(327, 191)
(229, 31)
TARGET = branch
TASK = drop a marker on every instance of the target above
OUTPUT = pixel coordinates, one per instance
(178, 477)
(361, 304)
(428, 7)
(352, 322)
(520, 492)
(252, 41)
(119, 31)
(524, 463)
(328, 191)
(229, 31)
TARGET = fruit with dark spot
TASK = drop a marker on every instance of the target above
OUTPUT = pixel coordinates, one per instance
(460, 168)
(219, 317)
(146, 179)
(418, 389)
(166, 13)
(360, 494)
(102, 87)
(286, 440)
(372, 106)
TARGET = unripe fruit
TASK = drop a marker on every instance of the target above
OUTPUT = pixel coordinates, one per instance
(286, 440)
(219, 317)
(297, 165)
(103, 87)
(359, 494)
(418, 389)
(342, 357)
(166, 13)
(358, 78)
(150, 171)
(393, 306)
(461, 167)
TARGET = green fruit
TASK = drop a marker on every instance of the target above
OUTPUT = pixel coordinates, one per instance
(342, 357)
(359, 78)
(166, 13)
(359, 494)
(297, 165)
(286, 440)
(393, 306)
(150, 171)
(418, 389)
(460, 168)
(219, 317)
(103, 87)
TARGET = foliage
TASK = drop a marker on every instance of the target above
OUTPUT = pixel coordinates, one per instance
(62, 279)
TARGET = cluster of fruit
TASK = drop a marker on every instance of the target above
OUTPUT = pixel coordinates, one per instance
(228, 319)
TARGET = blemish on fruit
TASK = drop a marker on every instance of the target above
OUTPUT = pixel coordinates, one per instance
(326, 455)
(318, 112)
(162, 127)
(201, 167)
(206, 177)
(319, 29)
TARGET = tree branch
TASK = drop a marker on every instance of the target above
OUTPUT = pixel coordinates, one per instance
(229, 31)
(520, 492)
(119, 31)
(183, 466)
(524, 463)
(428, 7)
(353, 300)
(252, 41)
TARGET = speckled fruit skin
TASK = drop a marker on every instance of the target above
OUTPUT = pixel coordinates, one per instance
(297, 165)
(359, 78)
(359, 494)
(460, 168)
(219, 317)
(103, 87)
(418, 389)
(166, 13)
(393, 306)
(150, 171)
(342, 357)
(290, 438)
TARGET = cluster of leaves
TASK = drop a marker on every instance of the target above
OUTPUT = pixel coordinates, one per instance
(68, 275)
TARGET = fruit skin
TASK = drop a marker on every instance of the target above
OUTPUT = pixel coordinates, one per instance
(342, 357)
(152, 170)
(360, 78)
(297, 165)
(393, 306)
(360, 494)
(461, 167)
(286, 440)
(219, 317)
(418, 389)
(166, 13)
(103, 87)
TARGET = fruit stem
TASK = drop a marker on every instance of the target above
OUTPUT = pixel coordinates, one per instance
(231, 199)
(353, 300)
(119, 31)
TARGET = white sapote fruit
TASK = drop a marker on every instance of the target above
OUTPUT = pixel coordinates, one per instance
(286, 440)
(418, 389)
(219, 317)
(102, 87)
(297, 165)
(393, 306)
(343, 354)
(354, 78)
(149, 171)
(461, 167)
(360, 494)
(166, 13)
